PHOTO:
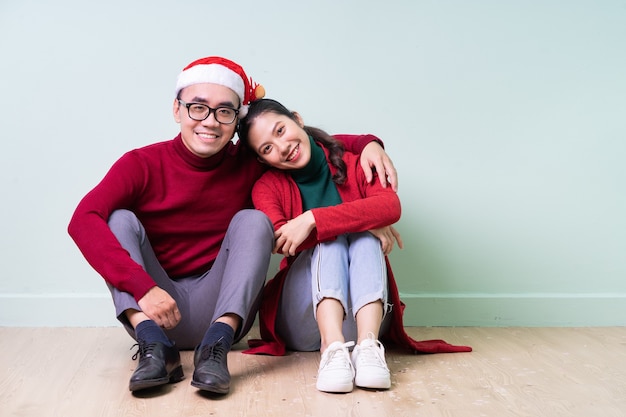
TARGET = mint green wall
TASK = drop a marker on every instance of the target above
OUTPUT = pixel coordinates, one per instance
(506, 121)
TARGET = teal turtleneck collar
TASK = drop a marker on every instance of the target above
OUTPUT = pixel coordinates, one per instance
(315, 181)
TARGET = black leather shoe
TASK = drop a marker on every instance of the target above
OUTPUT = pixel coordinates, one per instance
(158, 365)
(211, 373)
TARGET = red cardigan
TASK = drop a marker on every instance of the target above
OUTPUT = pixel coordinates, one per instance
(365, 206)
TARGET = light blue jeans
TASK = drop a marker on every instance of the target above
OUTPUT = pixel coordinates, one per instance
(350, 269)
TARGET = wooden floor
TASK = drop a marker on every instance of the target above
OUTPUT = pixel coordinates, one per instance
(512, 372)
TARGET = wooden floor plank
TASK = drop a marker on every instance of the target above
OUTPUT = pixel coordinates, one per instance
(533, 372)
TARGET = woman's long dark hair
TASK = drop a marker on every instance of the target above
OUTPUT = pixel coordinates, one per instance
(335, 148)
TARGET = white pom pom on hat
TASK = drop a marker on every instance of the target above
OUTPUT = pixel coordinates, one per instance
(222, 71)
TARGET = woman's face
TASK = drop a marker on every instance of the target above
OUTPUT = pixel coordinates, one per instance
(280, 141)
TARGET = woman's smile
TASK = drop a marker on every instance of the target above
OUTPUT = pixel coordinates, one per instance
(294, 154)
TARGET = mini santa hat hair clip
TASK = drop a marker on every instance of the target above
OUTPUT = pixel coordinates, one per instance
(222, 71)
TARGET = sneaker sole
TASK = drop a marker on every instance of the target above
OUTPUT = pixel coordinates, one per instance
(335, 388)
(373, 384)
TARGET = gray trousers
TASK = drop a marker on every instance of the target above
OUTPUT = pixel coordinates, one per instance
(232, 285)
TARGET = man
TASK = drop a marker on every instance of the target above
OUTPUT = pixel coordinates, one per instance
(171, 231)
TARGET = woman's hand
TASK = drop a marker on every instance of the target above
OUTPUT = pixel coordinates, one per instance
(387, 235)
(291, 234)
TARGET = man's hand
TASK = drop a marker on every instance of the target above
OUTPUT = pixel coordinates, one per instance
(388, 236)
(374, 156)
(160, 307)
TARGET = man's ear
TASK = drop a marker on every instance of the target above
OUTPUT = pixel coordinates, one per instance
(176, 110)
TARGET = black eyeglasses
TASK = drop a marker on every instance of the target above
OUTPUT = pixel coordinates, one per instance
(199, 112)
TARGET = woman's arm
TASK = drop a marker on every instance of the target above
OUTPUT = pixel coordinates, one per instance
(275, 199)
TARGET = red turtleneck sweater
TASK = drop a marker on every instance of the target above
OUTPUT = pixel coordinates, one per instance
(184, 202)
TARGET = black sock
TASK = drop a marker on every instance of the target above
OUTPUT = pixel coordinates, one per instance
(148, 331)
(219, 331)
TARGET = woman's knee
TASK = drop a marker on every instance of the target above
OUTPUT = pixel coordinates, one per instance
(365, 241)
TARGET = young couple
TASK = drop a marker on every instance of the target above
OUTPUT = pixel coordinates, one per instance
(172, 231)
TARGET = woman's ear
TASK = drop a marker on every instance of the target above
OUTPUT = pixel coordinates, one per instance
(261, 160)
(298, 118)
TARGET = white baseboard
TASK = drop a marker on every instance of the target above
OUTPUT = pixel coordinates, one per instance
(534, 310)
(57, 310)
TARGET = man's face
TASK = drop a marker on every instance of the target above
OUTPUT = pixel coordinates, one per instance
(207, 137)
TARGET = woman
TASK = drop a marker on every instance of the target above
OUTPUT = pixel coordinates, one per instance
(335, 284)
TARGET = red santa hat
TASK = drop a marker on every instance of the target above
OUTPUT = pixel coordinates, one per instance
(222, 71)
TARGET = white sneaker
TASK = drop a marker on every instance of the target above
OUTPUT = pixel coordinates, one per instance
(336, 373)
(368, 358)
